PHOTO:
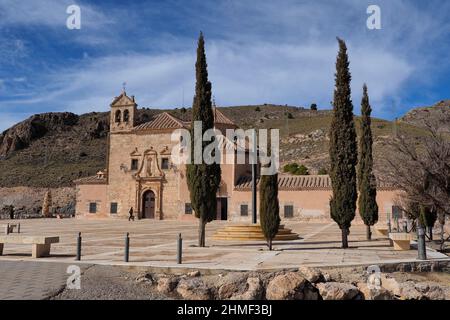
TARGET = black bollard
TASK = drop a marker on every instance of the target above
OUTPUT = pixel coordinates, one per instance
(179, 249)
(127, 247)
(421, 247)
(79, 247)
(18, 228)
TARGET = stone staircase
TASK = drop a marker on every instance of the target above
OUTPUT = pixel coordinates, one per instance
(251, 232)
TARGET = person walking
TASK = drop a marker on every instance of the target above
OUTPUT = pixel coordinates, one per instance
(131, 217)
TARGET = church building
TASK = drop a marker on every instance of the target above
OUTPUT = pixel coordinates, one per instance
(140, 174)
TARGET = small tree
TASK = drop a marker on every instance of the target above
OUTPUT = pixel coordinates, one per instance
(203, 179)
(9, 210)
(343, 148)
(368, 208)
(257, 109)
(47, 203)
(291, 167)
(269, 207)
(295, 169)
(313, 107)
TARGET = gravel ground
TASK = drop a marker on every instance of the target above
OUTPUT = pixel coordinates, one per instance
(110, 283)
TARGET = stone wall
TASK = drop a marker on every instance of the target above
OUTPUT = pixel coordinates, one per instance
(28, 201)
(308, 205)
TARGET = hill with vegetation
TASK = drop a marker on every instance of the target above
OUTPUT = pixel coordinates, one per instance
(53, 149)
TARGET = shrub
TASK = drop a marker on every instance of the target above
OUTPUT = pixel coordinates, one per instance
(295, 169)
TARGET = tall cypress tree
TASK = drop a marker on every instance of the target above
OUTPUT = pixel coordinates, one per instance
(343, 148)
(269, 207)
(203, 179)
(368, 208)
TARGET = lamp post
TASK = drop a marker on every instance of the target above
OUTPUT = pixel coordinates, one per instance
(254, 172)
(389, 228)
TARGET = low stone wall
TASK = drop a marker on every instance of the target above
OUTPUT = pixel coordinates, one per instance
(28, 201)
(303, 284)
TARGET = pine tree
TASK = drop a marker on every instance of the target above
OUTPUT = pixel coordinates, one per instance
(203, 179)
(269, 208)
(343, 148)
(368, 208)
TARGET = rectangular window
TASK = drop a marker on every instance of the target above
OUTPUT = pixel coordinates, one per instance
(165, 163)
(187, 208)
(244, 210)
(113, 208)
(288, 211)
(134, 164)
(92, 207)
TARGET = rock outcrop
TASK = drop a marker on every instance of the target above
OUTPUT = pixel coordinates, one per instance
(22, 134)
(337, 291)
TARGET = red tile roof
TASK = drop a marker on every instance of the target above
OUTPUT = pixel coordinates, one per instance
(167, 121)
(289, 182)
(161, 121)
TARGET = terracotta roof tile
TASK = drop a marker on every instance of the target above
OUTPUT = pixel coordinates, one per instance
(161, 121)
(288, 182)
(219, 117)
(167, 121)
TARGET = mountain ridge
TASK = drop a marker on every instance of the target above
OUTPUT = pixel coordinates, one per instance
(53, 149)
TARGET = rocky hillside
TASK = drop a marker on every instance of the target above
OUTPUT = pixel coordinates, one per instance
(438, 116)
(53, 149)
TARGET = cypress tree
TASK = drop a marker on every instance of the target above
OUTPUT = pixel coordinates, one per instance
(269, 208)
(368, 208)
(203, 179)
(343, 148)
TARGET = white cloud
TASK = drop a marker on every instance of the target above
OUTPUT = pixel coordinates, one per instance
(241, 74)
(50, 13)
(276, 52)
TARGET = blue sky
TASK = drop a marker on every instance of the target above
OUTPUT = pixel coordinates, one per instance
(258, 52)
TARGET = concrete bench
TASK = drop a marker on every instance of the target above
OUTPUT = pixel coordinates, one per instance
(402, 241)
(9, 228)
(40, 244)
(382, 230)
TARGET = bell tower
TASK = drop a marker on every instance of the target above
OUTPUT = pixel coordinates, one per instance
(123, 113)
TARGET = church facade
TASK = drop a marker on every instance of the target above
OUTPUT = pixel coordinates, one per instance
(140, 174)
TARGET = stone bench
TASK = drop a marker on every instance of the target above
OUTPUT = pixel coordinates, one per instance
(382, 230)
(402, 241)
(40, 244)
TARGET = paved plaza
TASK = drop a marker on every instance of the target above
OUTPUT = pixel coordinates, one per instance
(154, 243)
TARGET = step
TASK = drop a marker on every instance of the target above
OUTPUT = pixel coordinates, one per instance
(248, 232)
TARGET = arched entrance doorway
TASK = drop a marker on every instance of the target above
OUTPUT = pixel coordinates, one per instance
(148, 205)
